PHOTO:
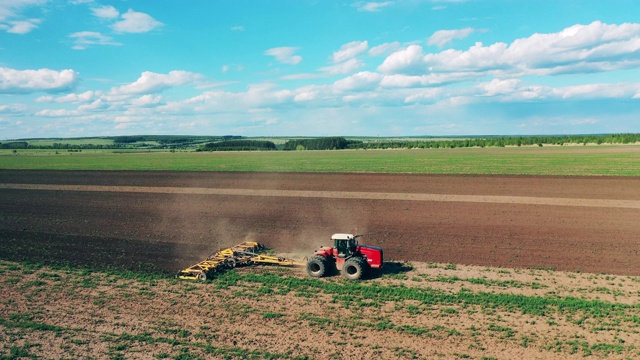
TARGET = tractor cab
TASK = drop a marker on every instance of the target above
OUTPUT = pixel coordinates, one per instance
(345, 244)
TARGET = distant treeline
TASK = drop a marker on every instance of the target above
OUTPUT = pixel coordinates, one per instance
(14, 145)
(66, 146)
(325, 143)
(171, 139)
(235, 143)
(126, 142)
(501, 141)
(238, 145)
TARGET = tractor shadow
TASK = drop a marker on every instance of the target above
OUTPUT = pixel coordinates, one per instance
(391, 268)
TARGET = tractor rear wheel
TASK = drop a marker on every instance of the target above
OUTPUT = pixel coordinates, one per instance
(317, 266)
(354, 268)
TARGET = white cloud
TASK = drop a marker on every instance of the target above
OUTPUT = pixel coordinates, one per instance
(407, 60)
(346, 67)
(407, 81)
(301, 76)
(500, 87)
(443, 37)
(122, 126)
(57, 113)
(11, 19)
(372, 6)
(84, 39)
(600, 91)
(11, 8)
(45, 98)
(70, 98)
(349, 51)
(23, 26)
(364, 80)
(237, 28)
(428, 96)
(30, 81)
(580, 48)
(12, 109)
(257, 96)
(150, 82)
(135, 22)
(105, 12)
(510, 90)
(260, 95)
(234, 67)
(96, 105)
(146, 100)
(403, 81)
(305, 96)
(285, 55)
(385, 49)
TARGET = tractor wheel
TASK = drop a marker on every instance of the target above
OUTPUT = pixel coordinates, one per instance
(317, 266)
(354, 268)
(202, 276)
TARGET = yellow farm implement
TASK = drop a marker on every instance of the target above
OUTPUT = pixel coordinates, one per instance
(243, 254)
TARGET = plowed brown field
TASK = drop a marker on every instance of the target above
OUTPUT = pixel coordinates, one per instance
(165, 221)
(168, 220)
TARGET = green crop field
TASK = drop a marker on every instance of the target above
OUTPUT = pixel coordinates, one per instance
(603, 160)
(73, 141)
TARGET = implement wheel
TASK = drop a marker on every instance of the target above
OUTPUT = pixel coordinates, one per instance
(317, 266)
(202, 276)
(353, 269)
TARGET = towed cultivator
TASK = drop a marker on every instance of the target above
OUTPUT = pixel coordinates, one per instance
(244, 254)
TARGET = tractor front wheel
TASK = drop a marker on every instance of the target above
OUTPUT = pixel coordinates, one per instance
(354, 268)
(317, 266)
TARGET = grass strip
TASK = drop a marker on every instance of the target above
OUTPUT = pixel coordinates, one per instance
(593, 161)
(356, 292)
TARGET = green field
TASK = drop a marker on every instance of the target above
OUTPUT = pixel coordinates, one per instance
(72, 141)
(603, 160)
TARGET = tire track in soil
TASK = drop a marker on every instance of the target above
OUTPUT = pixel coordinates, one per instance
(495, 199)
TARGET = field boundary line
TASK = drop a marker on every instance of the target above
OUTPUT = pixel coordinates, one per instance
(496, 199)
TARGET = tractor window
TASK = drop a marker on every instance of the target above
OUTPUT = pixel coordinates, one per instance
(342, 247)
(345, 247)
(352, 245)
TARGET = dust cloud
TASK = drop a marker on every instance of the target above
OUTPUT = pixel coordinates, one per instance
(203, 224)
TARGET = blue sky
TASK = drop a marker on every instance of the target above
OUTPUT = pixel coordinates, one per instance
(72, 68)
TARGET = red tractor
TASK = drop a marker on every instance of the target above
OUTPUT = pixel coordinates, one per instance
(347, 256)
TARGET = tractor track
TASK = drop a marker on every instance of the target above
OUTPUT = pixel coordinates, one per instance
(521, 200)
